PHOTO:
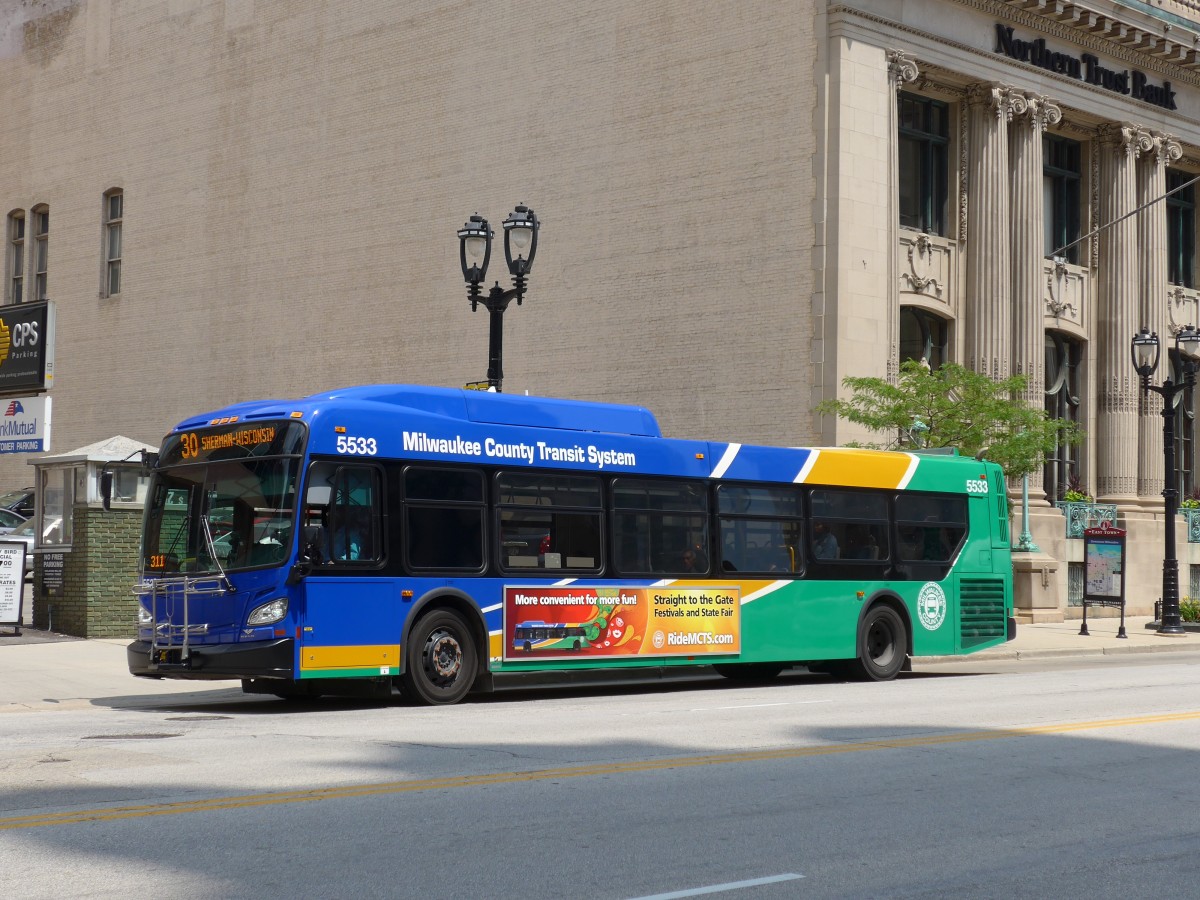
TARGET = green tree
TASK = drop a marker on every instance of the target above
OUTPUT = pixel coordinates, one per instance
(955, 407)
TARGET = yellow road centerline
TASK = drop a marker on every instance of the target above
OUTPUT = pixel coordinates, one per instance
(276, 798)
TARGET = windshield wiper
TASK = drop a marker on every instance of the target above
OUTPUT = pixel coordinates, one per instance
(210, 545)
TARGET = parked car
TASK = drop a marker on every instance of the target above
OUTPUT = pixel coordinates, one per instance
(25, 533)
(9, 520)
(20, 502)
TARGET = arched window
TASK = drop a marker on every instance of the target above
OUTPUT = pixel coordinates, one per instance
(922, 336)
(1064, 358)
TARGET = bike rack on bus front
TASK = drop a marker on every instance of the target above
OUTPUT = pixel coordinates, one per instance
(168, 637)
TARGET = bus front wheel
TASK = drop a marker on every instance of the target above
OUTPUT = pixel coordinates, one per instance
(442, 660)
(882, 645)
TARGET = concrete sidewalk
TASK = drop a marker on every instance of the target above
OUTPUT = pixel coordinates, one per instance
(1053, 639)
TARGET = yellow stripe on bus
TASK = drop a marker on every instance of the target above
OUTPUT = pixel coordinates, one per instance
(356, 657)
(859, 468)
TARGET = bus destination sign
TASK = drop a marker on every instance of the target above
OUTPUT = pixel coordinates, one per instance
(234, 440)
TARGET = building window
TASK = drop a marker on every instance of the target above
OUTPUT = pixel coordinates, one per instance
(41, 250)
(924, 142)
(114, 207)
(16, 256)
(1181, 229)
(1063, 375)
(56, 517)
(1185, 434)
(922, 336)
(1061, 180)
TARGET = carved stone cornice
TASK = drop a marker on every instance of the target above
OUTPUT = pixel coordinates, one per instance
(1163, 63)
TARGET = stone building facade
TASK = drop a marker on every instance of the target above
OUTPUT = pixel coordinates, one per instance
(741, 205)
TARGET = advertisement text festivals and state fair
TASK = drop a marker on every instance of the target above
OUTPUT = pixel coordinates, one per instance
(576, 622)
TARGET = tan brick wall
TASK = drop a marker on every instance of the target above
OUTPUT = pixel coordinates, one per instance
(294, 174)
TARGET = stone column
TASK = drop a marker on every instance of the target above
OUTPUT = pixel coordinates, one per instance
(1118, 313)
(1156, 152)
(988, 313)
(901, 71)
(1028, 334)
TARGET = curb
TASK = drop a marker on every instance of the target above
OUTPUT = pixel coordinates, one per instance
(1049, 653)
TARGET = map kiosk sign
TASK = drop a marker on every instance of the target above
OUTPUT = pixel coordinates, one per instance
(1104, 571)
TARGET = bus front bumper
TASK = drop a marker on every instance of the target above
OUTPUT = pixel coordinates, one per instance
(255, 659)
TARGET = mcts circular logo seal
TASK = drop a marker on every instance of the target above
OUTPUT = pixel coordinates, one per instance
(931, 606)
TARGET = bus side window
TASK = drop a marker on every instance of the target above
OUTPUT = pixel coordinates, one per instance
(443, 518)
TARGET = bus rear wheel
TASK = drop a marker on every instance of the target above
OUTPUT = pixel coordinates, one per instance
(882, 645)
(442, 660)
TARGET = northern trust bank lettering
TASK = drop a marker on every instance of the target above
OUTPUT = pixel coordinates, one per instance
(1086, 68)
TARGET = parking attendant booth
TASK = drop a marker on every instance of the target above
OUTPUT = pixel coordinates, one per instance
(85, 557)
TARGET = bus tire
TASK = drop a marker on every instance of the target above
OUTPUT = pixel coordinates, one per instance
(748, 672)
(882, 644)
(442, 659)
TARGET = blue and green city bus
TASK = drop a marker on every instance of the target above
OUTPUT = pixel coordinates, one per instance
(398, 536)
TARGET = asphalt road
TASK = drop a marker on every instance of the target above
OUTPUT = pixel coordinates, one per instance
(1065, 778)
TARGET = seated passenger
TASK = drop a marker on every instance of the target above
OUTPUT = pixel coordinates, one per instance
(824, 544)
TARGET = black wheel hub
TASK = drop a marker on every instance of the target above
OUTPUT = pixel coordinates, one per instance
(443, 657)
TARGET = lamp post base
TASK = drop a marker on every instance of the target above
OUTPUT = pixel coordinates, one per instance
(1175, 631)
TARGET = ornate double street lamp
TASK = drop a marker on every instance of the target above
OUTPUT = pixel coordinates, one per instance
(1145, 351)
(475, 251)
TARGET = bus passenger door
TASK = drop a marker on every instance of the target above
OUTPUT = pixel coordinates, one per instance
(351, 621)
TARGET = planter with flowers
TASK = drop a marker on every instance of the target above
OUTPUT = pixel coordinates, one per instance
(1082, 511)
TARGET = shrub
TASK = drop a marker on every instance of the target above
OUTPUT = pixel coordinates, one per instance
(1189, 609)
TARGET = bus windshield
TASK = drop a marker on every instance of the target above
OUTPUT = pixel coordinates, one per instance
(249, 506)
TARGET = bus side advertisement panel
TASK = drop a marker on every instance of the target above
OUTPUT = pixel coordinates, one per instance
(579, 622)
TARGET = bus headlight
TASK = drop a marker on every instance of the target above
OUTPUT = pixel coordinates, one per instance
(269, 613)
(144, 617)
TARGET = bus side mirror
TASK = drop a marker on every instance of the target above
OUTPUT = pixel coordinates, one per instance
(106, 480)
(312, 539)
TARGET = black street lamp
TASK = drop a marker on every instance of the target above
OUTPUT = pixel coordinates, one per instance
(1145, 350)
(474, 253)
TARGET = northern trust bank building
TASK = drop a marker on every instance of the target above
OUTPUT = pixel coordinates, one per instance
(1021, 135)
(741, 205)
